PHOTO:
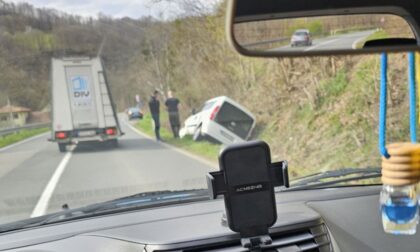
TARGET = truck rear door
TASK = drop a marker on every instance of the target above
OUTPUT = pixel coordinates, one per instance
(82, 96)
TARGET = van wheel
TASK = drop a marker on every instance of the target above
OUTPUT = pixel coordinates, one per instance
(62, 147)
(197, 134)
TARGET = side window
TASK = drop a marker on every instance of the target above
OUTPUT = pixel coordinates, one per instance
(207, 106)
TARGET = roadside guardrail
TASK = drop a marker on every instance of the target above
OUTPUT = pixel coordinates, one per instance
(8, 131)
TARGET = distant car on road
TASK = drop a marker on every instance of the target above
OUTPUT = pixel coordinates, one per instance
(301, 37)
(222, 120)
(134, 113)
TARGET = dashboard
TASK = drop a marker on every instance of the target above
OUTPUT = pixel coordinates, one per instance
(336, 219)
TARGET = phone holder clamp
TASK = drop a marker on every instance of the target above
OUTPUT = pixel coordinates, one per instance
(250, 207)
(217, 184)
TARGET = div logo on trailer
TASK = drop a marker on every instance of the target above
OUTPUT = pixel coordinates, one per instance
(80, 87)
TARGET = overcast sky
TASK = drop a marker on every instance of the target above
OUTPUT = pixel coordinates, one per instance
(115, 8)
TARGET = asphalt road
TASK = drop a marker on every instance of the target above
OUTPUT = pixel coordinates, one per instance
(35, 178)
(337, 42)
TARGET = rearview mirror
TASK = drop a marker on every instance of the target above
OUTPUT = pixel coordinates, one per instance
(278, 28)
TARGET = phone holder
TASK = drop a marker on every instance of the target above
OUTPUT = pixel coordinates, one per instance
(246, 180)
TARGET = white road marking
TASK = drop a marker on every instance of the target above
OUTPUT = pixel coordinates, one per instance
(321, 44)
(188, 154)
(42, 205)
(23, 141)
(357, 41)
(354, 45)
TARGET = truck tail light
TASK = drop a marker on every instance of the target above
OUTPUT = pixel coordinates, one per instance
(111, 131)
(60, 135)
(214, 113)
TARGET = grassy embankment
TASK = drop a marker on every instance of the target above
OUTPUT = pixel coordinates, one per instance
(22, 135)
(381, 34)
(339, 129)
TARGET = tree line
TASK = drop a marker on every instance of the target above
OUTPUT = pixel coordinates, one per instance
(294, 99)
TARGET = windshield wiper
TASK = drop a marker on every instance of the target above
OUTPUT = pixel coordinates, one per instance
(341, 175)
(133, 202)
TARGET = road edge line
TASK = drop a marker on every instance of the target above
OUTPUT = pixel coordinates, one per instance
(186, 153)
(321, 44)
(23, 141)
(354, 45)
(43, 202)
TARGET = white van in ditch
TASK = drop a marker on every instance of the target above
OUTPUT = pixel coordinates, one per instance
(220, 119)
(88, 113)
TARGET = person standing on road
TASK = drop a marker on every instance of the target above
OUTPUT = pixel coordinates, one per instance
(154, 106)
(173, 111)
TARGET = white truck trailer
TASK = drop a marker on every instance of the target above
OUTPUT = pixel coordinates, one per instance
(82, 106)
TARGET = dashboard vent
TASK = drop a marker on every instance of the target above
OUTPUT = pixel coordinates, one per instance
(312, 239)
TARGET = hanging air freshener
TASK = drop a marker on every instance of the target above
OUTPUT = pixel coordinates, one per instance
(400, 165)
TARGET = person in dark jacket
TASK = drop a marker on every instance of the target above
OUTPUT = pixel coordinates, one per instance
(154, 106)
(173, 112)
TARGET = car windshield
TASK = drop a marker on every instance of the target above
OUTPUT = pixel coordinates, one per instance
(301, 33)
(70, 71)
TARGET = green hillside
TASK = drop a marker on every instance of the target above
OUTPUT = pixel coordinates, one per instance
(318, 113)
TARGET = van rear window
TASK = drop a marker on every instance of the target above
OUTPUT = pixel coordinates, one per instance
(234, 119)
